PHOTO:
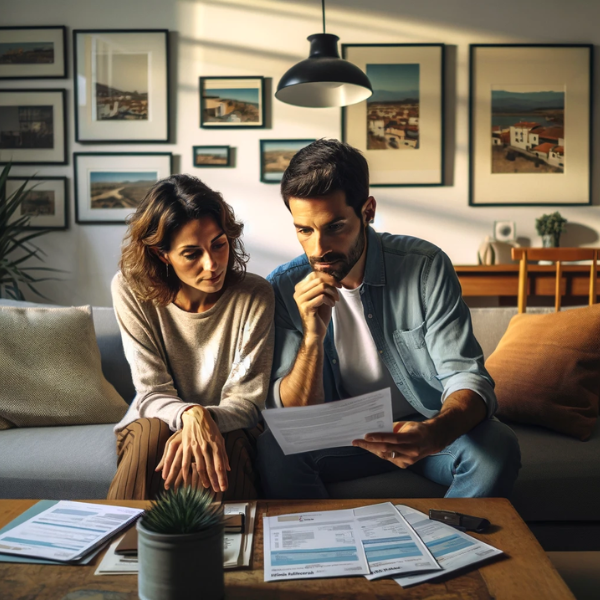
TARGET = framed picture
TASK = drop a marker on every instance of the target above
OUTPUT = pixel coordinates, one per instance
(212, 156)
(109, 186)
(45, 203)
(529, 105)
(400, 128)
(122, 85)
(232, 102)
(275, 156)
(505, 231)
(33, 52)
(33, 127)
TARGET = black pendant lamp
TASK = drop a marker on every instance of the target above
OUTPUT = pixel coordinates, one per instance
(323, 79)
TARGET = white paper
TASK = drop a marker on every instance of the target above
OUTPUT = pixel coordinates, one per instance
(67, 530)
(391, 545)
(232, 549)
(315, 544)
(452, 548)
(117, 564)
(332, 424)
(248, 535)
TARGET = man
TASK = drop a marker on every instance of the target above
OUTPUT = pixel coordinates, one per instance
(362, 311)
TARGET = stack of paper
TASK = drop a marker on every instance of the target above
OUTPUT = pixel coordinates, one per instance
(380, 540)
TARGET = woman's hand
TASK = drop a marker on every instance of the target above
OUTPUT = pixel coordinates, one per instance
(197, 452)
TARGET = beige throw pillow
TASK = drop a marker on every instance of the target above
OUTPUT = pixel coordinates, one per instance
(50, 372)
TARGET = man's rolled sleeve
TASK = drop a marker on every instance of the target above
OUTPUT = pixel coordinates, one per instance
(475, 383)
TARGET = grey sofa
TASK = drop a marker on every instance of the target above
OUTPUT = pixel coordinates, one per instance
(557, 493)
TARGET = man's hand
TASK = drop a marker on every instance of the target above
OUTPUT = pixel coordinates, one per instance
(196, 453)
(410, 442)
(315, 296)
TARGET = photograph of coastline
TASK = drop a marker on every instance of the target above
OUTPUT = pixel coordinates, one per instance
(26, 53)
(275, 156)
(393, 109)
(39, 203)
(231, 102)
(119, 189)
(211, 156)
(121, 86)
(528, 129)
(26, 127)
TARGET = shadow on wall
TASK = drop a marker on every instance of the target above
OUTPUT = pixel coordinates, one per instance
(577, 234)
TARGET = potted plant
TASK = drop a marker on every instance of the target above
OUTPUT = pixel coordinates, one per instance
(180, 547)
(15, 243)
(550, 227)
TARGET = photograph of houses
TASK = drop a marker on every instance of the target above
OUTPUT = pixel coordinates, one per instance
(528, 129)
(38, 203)
(231, 105)
(121, 86)
(119, 189)
(393, 109)
(27, 53)
(23, 127)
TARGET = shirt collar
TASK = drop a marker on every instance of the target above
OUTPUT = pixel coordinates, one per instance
(374, 268)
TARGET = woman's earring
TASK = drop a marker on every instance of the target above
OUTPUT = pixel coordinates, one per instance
(167, 270)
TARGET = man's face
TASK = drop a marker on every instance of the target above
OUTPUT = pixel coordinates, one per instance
(331, 234)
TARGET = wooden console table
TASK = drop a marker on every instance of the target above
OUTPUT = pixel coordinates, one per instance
(502, 281)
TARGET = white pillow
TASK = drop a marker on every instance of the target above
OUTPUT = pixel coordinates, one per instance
(50, 371)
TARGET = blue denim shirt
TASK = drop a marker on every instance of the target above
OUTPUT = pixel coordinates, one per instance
(413, 306)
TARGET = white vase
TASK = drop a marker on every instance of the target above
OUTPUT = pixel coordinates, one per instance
(180, 566)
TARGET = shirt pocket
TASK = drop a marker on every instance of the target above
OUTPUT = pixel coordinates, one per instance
(413, 351)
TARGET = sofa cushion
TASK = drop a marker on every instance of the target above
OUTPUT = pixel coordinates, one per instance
(57, 463)
(547, 370)
(50, 369)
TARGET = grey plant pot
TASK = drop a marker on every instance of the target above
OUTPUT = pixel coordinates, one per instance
(180, 566)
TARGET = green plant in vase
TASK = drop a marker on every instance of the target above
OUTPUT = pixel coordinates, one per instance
(550, 227)
(180, 547)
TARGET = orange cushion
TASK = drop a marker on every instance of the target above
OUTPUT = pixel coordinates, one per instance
(547, 370)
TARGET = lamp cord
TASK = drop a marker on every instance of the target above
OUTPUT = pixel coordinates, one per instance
(323, 9)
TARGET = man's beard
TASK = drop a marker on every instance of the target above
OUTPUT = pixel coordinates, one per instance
(340, 269)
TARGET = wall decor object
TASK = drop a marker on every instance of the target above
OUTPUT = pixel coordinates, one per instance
(232, 102)
(110, 185)
(400, 128)
(33, 52)
(530, 124)
(505, 231)
(33, 127)
(275, 156)
(46, 202)
(122, 85)
(211, 156)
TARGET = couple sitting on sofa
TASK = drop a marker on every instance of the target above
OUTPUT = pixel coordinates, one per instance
(358, 312)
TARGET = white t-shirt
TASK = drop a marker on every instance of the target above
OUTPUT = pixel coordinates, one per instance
(361, 368)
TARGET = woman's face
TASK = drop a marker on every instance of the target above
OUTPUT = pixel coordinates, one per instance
(199, 255)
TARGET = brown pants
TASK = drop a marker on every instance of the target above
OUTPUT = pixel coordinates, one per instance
(140, 447)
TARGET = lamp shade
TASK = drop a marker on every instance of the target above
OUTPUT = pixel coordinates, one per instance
(323, 79)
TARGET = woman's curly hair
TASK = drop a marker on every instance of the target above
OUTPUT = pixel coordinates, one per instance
(168, 205)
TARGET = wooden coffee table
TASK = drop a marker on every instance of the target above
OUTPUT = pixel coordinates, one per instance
(525, 572)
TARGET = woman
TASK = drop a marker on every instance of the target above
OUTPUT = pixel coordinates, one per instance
(198, 335)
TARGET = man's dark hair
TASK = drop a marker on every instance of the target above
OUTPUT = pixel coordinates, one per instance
(326, 166)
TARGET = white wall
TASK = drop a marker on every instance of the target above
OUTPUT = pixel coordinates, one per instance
(265, 37)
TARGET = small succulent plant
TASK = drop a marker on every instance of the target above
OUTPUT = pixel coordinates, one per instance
(183, 510)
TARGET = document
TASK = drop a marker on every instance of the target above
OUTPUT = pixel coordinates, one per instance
(66, 531)
(314, 544)
(332, 424)
(117, 564)
(451, 548)
(391, 545)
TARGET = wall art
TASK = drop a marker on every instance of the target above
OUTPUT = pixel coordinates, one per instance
(211, 156)
(46, 201)
(275, 156)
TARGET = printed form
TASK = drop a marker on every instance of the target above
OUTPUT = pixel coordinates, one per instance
(452, 548)
(315, 544)
(332, 424)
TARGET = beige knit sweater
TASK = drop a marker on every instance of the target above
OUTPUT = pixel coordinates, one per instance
(220, 358)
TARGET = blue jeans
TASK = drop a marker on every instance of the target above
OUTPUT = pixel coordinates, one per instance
(482, 463)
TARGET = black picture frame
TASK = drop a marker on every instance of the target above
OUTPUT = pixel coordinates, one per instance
(227, 150)
(60, 157)
(222, 125)
(263, 149)
(78, 181)
(65, 189)
(436, 163)
(87, 138)
(519, 61)
(61, 35)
